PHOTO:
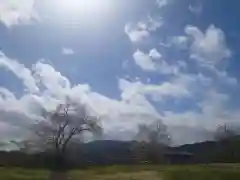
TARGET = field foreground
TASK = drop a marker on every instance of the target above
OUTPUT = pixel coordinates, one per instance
(210, 172)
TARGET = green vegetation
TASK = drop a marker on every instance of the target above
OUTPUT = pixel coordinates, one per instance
(22, 174)
(194, 172)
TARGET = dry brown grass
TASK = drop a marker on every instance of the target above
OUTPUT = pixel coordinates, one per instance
(147, 172)
(143, 175)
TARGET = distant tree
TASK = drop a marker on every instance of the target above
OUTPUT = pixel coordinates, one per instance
(151, 142)
(156, 133)
(59, 129)
(224, 132)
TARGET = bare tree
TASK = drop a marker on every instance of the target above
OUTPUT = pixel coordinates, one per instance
(68, 124)
(155, 133)
(151, 142)
(224, 132)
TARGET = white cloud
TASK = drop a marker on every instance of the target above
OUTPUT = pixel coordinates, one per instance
(156, 92)
(213, 112)
(53, 89)
(142, 30)
(47, 87)
(209, 48)
(155, 54)
(124, 114)
(153, 62)
(213, 108)
(144, 61)
(202, 88)
(212, 104)
(226, 79)
(20, 71)
(162, 3)
(196, 9)
(180, 41)
(14, 12)
(152, 23)
(53, 81)
(165, 44)
(220, 76)
(166, 89)
(67, 51)
(185, 134)
(136, 34)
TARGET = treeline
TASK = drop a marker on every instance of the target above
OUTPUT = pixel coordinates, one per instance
(221, 151)
(115, 152)
(93, 153)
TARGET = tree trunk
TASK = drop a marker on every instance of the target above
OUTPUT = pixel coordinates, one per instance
(59, 171)
(60, 163)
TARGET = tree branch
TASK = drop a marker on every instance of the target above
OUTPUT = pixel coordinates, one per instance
(73, 132)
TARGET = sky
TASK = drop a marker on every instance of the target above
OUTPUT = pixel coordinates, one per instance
(132, 61)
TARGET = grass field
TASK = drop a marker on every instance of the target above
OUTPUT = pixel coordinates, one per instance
(210, 172)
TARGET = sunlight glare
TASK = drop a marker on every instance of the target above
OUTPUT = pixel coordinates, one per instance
(82, 6)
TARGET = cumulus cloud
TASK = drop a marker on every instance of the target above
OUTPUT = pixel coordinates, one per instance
(144, 61)
(14, 12)
(125, 114)
(54, 88)
(152, 23)
(46, 87)
(195, 8)
(157, 92)
(200, 87)
(212, 105)
(162, 3)
(203, 82)
(181, 42)
(52, 80)
(20, 71)
(135, 34)
(153, 62)
(210, 50)
(67, 51)
(210, 47)
(226, 79)
(122, 115)
(213, 112)
(155, 54)
(142, 30)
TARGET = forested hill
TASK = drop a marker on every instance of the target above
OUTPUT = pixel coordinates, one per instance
(214, 151)
(118, 152)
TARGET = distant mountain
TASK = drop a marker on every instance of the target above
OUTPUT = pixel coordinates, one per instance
(224, 151)
(119, 152)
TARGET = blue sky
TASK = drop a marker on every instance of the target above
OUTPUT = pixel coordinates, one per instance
(132, 61)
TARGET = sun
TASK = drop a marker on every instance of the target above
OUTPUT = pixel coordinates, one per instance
(82, 6)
